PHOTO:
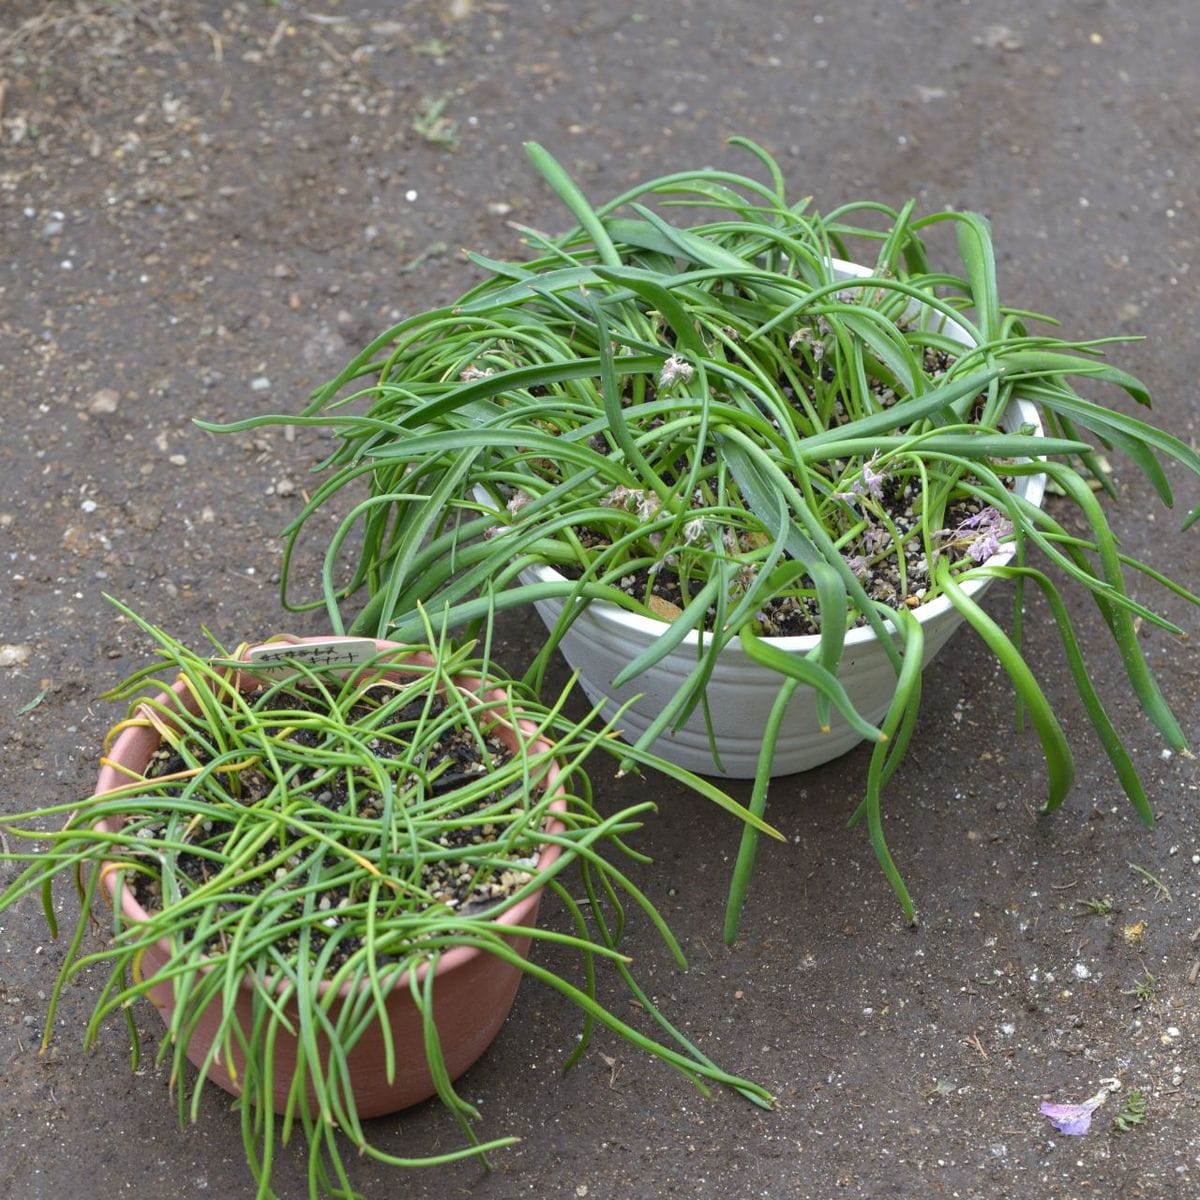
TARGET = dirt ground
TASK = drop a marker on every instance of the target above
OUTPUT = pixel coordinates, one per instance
(206, 207)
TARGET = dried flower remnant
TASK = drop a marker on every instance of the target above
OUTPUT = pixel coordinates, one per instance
(875, 539)
(633, 500)
(806, 336)
(860, 565)
(869, 482)
(620, 497)
(982, 533)
(648, 506)
(674, 370)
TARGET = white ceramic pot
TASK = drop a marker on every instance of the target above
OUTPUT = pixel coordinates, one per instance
(604, 638)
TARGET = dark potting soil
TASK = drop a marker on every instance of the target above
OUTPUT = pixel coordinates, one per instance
(872, 556)
(887, 555)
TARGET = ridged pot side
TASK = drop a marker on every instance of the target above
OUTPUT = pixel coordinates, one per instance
(473, 990)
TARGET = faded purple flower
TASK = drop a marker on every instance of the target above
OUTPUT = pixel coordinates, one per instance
(517, 501)
(873, 481)
(983, 547)
(869, 483)
(979, 520)
(981, 533)
(1076, 1119)
(989, 527)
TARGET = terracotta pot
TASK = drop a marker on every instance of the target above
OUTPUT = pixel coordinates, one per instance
(472, 994)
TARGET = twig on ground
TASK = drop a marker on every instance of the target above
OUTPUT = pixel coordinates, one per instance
(218, 44)
(1160, 889)
(976, 1045)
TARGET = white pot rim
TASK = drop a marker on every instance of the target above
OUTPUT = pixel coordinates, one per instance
(607, 612)
(613, 614)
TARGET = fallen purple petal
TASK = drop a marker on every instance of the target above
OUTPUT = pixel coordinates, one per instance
(1073, 1119)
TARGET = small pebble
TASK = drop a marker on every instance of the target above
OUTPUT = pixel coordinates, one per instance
(104, 401)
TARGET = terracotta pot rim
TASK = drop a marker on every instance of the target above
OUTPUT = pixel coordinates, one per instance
(125, 747)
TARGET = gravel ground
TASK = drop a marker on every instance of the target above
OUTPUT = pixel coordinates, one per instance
(206, 207)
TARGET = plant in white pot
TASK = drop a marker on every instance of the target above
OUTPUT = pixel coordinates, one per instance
(754, 469)
(322, 860)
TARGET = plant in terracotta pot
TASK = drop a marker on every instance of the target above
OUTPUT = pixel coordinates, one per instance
(755, 469)
(322, 860)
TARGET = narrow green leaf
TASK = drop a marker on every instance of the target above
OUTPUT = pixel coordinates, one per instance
(1107, 734)
(806, 671)
(1039, 364)
(1060, 766)
(566, 189)
(897, 726)
(690, 620)
(907, 412)
(748, 849)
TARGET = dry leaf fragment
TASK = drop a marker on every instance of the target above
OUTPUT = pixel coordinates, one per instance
(1133, 933)
(664, 610)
